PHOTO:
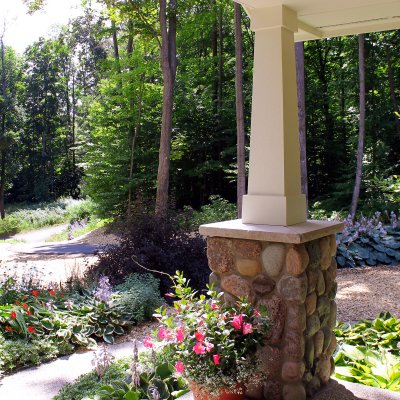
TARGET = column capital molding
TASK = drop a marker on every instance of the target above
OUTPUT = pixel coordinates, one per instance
(272, 17)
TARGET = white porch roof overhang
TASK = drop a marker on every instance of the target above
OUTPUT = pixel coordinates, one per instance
(319, 19)
(274, 191)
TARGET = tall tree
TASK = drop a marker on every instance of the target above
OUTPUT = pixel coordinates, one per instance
(241, 162)
(361, 133)
(301, 103)
(168, 19)
(10, 119)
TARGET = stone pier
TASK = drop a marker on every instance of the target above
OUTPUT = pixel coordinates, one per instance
(290, 270)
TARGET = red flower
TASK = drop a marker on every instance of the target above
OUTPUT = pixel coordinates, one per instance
(237, 322)
(29, 312)
(199, 335)
(35, 293)
(31, 329)
(13, 315)
(60, 295)
(179, 367)
(9, 329)
(180, 335)
(247, 328)
(198, 348)
(17, 303)
(25, 306)
(147, 342)
(257, 314)
(162, 333)
(216, 359)
(52, 292)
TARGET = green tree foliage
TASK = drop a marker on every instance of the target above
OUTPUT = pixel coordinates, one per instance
(88, 105)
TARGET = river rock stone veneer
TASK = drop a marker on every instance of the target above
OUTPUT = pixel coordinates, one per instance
(296, 282)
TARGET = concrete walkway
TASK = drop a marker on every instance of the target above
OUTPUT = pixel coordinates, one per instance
(44, 381)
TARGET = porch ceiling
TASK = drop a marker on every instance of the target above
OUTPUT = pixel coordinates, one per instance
(328, 18)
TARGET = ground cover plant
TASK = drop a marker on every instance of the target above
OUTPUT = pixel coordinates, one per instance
(78, 228)
(369, 352)
(23, 217)
(41, 323)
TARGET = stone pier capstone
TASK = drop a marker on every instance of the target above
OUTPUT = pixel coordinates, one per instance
(290, 270)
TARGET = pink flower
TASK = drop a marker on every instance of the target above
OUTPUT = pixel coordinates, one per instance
(237, 321)
(180, 335)
(214, 306)
(162, 333)
(179, 367)
(216, 359)
(257, 314)
(247, 328)
(148, 343)
(201, 323)
(199, 336)
(198, 348)
(209, 346)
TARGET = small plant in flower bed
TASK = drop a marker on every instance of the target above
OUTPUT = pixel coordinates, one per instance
(369, 242)
(151, 380)
(212, 344)
(369, 353)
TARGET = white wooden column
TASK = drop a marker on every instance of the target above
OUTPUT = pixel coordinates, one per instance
(274, 190)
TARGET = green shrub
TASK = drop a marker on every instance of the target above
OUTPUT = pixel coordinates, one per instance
(139, 296)
(84, 209)
(218, 210)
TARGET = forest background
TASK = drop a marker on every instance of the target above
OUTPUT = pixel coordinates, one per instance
(81, 112)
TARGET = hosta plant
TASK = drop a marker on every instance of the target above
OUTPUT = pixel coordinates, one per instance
(369, 367)
(212, 344)
(381, 333)
(368, 242)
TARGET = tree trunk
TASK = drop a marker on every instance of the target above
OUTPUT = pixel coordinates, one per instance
(115, 45)
(3, 131)
(392, 87)
(168, 66)
(134, 136)
(214, 48)
(241, 162)
(361, 132)
(2, 182)
(301, 102)
(129, 46)
(220, 63)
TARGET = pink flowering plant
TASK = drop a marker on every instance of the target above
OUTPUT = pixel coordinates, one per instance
(210, 343)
